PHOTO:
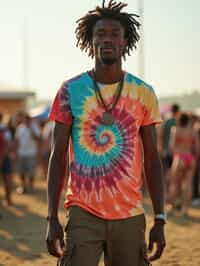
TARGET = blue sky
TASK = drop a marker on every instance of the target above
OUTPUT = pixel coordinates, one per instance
(172, 41)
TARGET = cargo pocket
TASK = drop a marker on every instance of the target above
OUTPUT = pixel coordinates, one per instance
(144, 257)
(66, 259)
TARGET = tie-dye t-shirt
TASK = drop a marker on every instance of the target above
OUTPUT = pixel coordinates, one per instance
(105, 170)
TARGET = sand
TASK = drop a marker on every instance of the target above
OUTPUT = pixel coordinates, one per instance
(22, 233)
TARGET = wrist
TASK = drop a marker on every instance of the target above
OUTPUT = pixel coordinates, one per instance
(159, 222)
(160, 218)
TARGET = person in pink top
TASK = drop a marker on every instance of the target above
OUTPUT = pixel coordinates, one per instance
(108, 116)
(182, 140)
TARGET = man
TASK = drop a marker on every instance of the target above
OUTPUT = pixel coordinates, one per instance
(106, 112)
(5, 160)
(27, 135)
(183, 137)
(165, 136)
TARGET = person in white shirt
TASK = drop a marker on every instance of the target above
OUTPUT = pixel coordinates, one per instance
(27, 135)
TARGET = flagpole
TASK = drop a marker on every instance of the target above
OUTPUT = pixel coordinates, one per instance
(141, 59)
(25, 56)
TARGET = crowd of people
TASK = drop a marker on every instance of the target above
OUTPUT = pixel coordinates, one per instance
(105, 125)
(24, 144)
(179, 147)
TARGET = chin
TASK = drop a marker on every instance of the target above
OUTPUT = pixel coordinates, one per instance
(109, 61)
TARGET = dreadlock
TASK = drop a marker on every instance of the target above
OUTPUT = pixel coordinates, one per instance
(86, 24)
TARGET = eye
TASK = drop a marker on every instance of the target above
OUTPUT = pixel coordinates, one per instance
(115, 34)
(100, 34)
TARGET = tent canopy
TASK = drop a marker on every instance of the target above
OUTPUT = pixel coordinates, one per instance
(40, 112)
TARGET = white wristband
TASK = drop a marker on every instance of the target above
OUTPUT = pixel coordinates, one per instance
(160, 216)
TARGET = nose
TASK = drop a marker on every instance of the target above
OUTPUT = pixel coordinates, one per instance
(107, 41)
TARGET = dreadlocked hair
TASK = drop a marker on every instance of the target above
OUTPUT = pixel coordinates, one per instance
(84, 30)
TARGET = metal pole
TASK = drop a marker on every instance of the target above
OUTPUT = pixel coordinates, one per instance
(25, 61)
(141, 59)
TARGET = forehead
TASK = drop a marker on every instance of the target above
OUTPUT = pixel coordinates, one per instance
(110, 24)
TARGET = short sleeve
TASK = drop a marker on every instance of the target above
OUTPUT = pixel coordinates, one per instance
(60, 109)
(151, 108)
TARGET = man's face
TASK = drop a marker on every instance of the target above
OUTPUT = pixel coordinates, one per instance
(108, 41)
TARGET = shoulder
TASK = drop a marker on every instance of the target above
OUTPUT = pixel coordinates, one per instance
(170, 122)
(19, 131)
(141, 84)
(75, 81)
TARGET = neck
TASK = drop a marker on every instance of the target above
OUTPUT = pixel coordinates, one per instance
(108, 73)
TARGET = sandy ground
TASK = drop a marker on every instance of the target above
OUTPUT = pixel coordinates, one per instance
(22, 233)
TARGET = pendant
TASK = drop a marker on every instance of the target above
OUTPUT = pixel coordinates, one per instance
(107, 119)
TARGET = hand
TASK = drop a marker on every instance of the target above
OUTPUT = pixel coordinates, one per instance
(157, 237)
(55, 238)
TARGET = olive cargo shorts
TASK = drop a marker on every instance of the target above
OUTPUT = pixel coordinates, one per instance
(87, 237)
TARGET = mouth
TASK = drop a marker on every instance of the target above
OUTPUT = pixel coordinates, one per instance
(107, 50)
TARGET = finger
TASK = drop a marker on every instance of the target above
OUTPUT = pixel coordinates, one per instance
(62, 243)
(60, 246)
(158, 252)
(150, 247)
(53, 248)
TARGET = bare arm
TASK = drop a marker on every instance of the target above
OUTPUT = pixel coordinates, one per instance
(159, 130)
(155, 182)
(56, 177)
(153, 168)
(57, 166)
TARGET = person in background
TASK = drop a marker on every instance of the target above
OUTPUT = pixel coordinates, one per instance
(106, 112)
(196, 178)
(2, 144)
(5, 160)
(45, 145)
(7, 168)
(27, 135)
(164, 142)
(183, 164)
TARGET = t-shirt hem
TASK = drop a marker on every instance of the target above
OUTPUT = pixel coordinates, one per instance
(67, 205)
(152, 123)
